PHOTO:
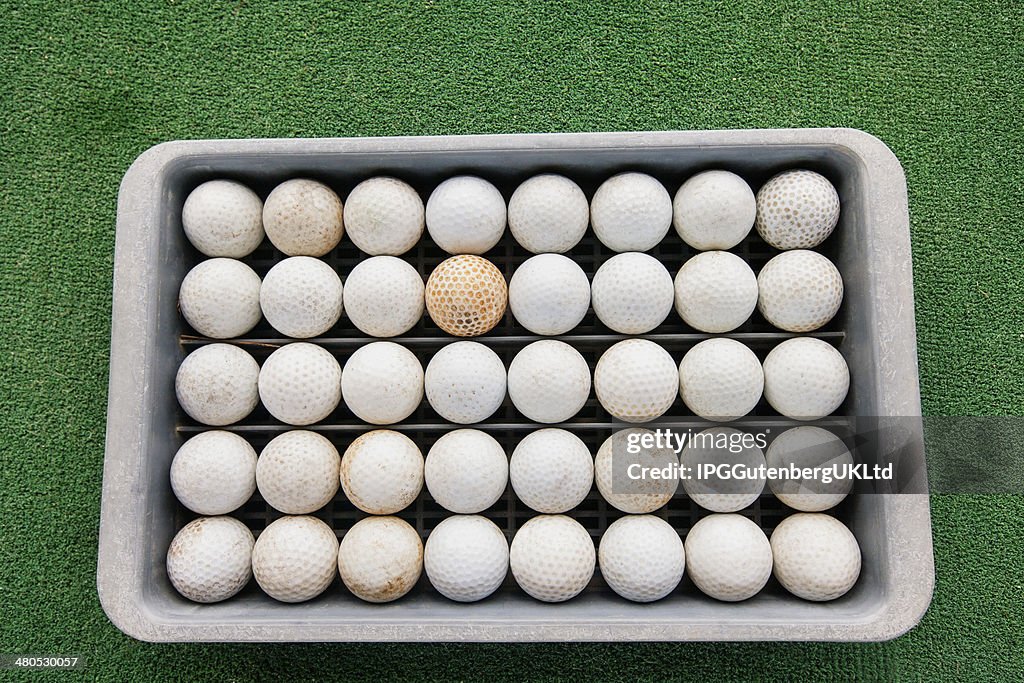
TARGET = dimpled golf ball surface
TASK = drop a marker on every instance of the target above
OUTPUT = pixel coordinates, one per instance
(295, 558)
(714, 210)
(466, 558)
(223, 218)
(380, 559)
(382, 472)
(465, 215)
(466, 295)
(301, 297)
(797, 210)
(743, 479)
(805, 378)
(548, 214)
(720, 379)
(552, 558)
(809, 447)
(300, 383)
(549, 381)
(382, 383)
(384, 216)
(631, 212)
(384, 296)
(297, 472)
(636, 380)
(551, 470)
(209, 560)
(466, 471)
(214, 473)
(217, 384)
(632, 293)
(641, 558)
(799, 290)
(816, 557)
(220, 298)
(465, 382)
(728, 557)
(611, 473)
(549, 294)
(715, 292)
(303, 217)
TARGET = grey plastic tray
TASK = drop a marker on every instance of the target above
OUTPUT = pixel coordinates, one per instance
(874, 330)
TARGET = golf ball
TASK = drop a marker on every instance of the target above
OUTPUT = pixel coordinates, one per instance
(295, 558)
(382, 383)
(465, 215)
(799, 290)
(214, 473)
(551, 470)
(466, 471)
(797, 210)
(631, 212)
(466, 558)
(217, 384)
(465, 382)
(726, 469)
(382, 472)
(209, 560)
(466, 295)
(300, 383)
(728, 557)
(549, 294)
(548, 213)
(380, 559)
(805, 378)
(636, 380)
(301, 297)
(714, 210)
(720, 379)
(809, 447)
(612, 469)
(384, 296)
(297, 472)
(632, 293)
(223, 218)
(552, 558)
(715, 292)
(548, 381)
(303, 217)
(384, 216)
(220, 298)
(641, 558)
(816, 556)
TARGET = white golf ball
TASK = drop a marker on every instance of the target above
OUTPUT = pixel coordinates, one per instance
(715, 292)
(466, 471)
(548, 381)
(295, 558)
(641, 558)
(380, 559)
(797, 210)
(551, 470)
(809, 447)
(714, 210)
(210, 559)
(720, 379)
(548, 213)
(805, 378)
(612, 472)
(223, 218)
(549, 294)
(636, 380)
(382, 383)
(214, 473)
(382, 472)
(466, 215)
(384, 216)
(466, 558)
(217, 384)
(728, 557)
(816, 556)
(799, 290)
(220, 298)
(297, 472)
(465, 382)
(300, 383)
(725, 469)
(301, 297)
(303, 217)
(632, 293)
(552, 558)
(466, 295)
(384, 296)
(631, 212)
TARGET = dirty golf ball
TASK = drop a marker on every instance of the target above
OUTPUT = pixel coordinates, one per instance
(548, 214)
(725, 467)
(295, 558)
(214, 473)
(551, 470)
(382, 383)
(631, 212)
(466, 295)
(805, 378)
(799, 290)
(465, 382)
(384, 216)
(384, 296)
(220, 298)
(714, 210)
(465, 215)
(466, 558)
(816, 556)
(720, 379)
(632, 293)
(210, 559)
(549, 294)
(552, 558)
(809, 447)
(636, 380)
(217, 384)
(641, 558)
(466, 471)
(223, 218)
(612, 471)
(303, 218)
(797, 210)
(715, 292)
(728, 557)
(297, 472)
(549, 381)
(301, 297)
(380, 559)
(382, 472)
(300, 383)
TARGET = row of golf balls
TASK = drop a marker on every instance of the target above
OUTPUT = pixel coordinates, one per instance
(548, 213)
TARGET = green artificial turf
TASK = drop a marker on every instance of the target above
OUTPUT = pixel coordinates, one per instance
(84, 88)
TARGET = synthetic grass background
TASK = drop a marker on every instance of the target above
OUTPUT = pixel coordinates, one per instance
(85, 89)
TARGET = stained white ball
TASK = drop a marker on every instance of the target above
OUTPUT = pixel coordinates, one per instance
(551, 470)
(466, 558)
(303, 217)
(552, 558)
(223, 218)
(300, 383)
(636, 380)
(741, 478)
(466, 471)
(635, 495)
(641, 558)
(301, 297)
(217, 384)
(295, 558)
(549, 381)
(382, 472)
(384, 215)
(715, 292)
(297, 472)
(632, 293)
(548, 214)
(799, 290)
(382, 383)
(805, 378)
(214, 473)
(631, 212)
(816, 557)
(220, 298)
(465, 382)
(384, 296)
(797, 210)
(466, 215)
(380, 559)
(728, 557)
(549, 294)
(714, 210)
(210, 559)
(720, 379)
(809, 447)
